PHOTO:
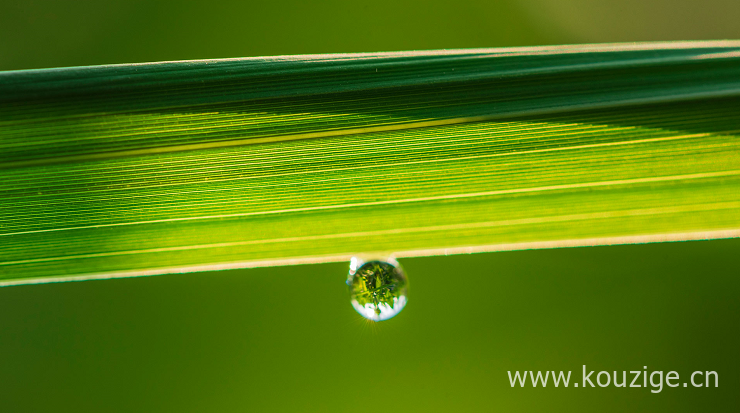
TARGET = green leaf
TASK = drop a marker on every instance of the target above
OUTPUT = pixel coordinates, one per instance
(147, 169)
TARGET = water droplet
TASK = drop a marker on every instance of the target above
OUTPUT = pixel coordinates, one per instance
(378, 287)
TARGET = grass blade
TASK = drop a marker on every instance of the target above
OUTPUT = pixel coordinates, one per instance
(169, 167)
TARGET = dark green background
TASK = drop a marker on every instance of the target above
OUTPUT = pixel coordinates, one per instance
(287, 339)
(50, 33)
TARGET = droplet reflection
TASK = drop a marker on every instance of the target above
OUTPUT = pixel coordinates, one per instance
(378, 288)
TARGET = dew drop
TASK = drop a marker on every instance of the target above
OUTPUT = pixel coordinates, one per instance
(378, 288)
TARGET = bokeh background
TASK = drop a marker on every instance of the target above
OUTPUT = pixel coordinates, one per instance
(287, 339)
(54, 33)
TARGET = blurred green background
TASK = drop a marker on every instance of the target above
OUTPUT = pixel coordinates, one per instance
(287, 339)
(53, 33)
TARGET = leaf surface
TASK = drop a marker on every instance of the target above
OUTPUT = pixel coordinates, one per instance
(169, 167)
